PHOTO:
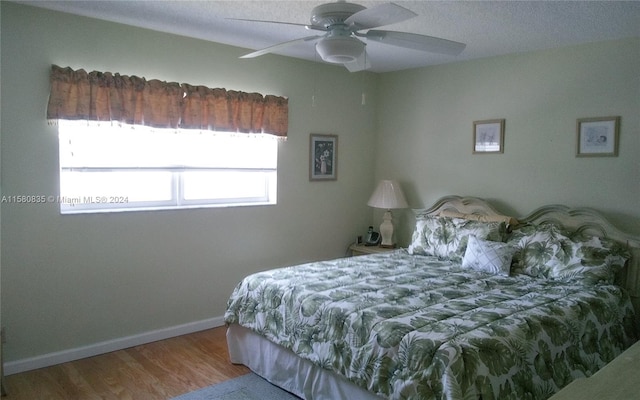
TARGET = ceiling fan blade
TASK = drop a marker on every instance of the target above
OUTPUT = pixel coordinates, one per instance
(310, 27)
(380, 15)
(279, 46)
(416, 42)
(360, 64)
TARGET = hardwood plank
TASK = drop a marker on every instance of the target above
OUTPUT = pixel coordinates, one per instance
(154, 371)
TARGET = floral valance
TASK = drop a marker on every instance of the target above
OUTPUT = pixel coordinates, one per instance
(104, 96)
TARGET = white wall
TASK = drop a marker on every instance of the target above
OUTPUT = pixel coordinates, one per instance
(76, 280)
(425, 130)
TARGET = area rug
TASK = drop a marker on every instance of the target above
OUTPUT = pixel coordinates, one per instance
(246, 387)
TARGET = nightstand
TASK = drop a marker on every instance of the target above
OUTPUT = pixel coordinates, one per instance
(361, 249)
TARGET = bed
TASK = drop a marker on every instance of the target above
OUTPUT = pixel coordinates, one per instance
(479, 306)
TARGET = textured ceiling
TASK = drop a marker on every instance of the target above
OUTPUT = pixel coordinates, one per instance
(488, 28)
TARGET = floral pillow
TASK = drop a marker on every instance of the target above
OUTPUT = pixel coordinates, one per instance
(488, 256)
(447, 238)
(546, 251)
(539, 249)
(592, 260)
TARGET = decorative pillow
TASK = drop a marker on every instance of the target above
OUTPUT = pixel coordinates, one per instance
(488, 256)
(539, 249)
(447, 238)
(547, 251)
(426, 226)
(592, 260)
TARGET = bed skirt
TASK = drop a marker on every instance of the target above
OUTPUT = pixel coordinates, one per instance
(284, 369)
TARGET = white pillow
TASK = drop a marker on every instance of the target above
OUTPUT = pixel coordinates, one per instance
(488, 256)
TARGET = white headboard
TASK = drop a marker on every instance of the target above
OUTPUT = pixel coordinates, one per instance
(463, 205)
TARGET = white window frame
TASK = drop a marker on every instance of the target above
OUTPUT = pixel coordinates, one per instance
(262, 189)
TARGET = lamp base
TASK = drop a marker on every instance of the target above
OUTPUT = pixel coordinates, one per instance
(386, 230)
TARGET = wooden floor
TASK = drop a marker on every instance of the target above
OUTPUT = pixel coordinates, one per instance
(159, 370)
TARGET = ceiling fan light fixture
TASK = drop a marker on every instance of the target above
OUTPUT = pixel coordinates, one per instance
(344, 22)
(340, 49)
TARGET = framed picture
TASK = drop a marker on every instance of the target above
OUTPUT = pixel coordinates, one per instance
(597, 137)
(323, 157)
(488, 136)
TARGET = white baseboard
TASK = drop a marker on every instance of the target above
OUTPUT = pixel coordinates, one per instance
(59, 357)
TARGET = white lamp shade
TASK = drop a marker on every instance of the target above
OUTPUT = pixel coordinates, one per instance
(388, 195)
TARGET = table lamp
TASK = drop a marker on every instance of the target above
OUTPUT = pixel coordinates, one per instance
(388, 195)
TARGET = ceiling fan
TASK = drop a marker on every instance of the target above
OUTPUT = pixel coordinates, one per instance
(343, 23)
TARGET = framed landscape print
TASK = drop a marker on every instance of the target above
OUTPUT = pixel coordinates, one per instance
(323, 157)
(597, 137)
(488, 136)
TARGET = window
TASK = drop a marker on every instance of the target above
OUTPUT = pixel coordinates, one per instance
(109, 167)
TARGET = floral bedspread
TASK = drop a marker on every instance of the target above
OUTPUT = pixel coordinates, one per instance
(414, 327)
